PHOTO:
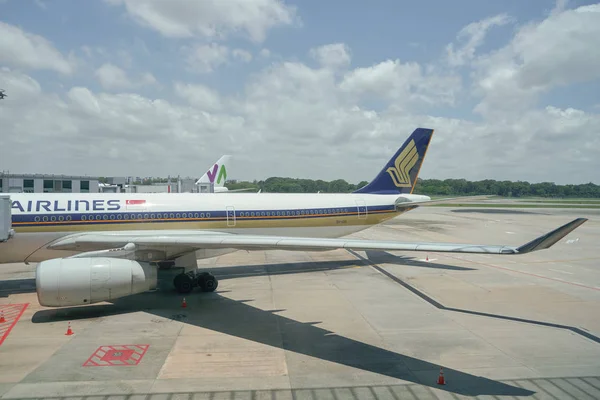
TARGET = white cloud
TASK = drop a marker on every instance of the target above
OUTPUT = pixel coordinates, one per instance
(199, 96)
(265, 53)
(562, 49)
(26, 50)
(243, 55)
(112, 77)
(473, 36)
(336, 55)
(210, 18)
(206, 57)
(41, 4)
(402, 83)
(148, 79)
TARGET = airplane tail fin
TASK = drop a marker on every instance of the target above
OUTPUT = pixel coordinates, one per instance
(399, 175)
(217, 174)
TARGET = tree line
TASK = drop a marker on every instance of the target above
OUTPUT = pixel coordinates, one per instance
(446, 187)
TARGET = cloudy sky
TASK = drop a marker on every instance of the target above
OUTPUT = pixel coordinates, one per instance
(314, 89)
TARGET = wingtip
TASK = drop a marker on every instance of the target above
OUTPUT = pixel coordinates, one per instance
(551, 238)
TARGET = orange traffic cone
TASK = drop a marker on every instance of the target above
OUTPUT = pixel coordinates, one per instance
(183, 303)
(441, 380)
(69, 330)
(2, 319)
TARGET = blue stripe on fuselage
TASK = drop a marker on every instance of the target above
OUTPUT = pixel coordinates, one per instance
(49, 219)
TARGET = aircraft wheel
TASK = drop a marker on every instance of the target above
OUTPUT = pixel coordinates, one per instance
(207, 282)
(183, 283)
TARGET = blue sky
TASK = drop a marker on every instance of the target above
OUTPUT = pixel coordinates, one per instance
(247, 94)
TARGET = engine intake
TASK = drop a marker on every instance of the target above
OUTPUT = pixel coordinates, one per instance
(78, 281)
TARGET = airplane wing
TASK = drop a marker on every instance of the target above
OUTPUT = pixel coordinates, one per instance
(169, 243)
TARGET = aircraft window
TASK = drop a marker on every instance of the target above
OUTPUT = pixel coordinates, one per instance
(119, 216)
(178, 215)
(172, 215)
(53, 218)
(45, 219)
(262, 213)
(207, 215)
(153, 216)
(126, 216)
(68, 218)
(145, 216)
(37, 219)
(105, 216)
(98, 216)
(252, 214)
(297, 212)
(201, 215)
(83, 217)
(196, 215)
(61, 218)
(112, 216)
(139, 216)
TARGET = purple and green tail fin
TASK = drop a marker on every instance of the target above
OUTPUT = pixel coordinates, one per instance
(400, 174)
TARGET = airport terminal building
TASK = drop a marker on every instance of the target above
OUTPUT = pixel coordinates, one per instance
(39, 183)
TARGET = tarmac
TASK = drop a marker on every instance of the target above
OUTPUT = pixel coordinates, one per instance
(335, 324)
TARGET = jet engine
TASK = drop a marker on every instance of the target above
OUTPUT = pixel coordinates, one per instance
(78, 281)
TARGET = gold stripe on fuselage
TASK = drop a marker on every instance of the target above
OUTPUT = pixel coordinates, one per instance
(372, 218)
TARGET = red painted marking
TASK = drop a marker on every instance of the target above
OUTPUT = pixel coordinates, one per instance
(135, 202)
(112, 356)
(12, 313)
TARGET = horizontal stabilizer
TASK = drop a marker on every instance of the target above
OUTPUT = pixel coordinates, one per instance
(403, 202)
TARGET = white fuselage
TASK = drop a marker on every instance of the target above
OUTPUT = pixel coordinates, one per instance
(40, 219)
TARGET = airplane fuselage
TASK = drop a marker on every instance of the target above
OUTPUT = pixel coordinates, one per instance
(40, 219)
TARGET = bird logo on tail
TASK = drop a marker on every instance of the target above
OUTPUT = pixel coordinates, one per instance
(405, 161)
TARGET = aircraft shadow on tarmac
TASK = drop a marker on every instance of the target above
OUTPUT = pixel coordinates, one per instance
(383, 257)
(237, 318)
(17, 286)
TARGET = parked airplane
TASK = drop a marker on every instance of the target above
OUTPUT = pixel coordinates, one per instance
(99, 247)
(217, 175)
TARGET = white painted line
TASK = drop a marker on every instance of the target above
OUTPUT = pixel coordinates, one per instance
(510, 233)
(563, 272)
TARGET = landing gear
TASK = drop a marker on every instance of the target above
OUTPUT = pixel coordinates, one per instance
(207, 282)
(185, 283)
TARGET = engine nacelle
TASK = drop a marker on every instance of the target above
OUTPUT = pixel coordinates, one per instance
(77, 281)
